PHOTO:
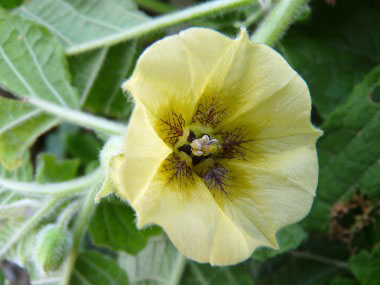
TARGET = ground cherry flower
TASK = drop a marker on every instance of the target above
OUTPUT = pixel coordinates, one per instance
(219, 150)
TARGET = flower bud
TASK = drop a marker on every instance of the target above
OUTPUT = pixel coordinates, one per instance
(52, 247)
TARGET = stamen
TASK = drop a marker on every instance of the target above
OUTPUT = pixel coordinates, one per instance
(204, 146)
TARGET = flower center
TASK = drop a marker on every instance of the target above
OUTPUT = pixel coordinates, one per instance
(204, 146)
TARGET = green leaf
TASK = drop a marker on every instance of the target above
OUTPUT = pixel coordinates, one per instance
(331, 52)
(349, 152)
(288, 238)
(77, 22)
(94, 268)
(205, 274)
(158, 263)
(113, 226)
(294, 271)
(49, 169)
(20, 125)
(343, 281)
(365, 266)
(98, 76)
(32, 63)
(84, 146)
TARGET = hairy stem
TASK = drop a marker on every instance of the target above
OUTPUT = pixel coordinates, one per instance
(319, 258)
(67, 214)
(58, 189)
(277, 22)
(80, 118)
(79, 229)
(29, 224)
(159, 23)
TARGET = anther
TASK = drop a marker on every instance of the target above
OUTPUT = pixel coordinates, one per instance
(204, 146)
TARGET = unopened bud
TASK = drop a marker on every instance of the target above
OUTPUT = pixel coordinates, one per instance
(52, 247)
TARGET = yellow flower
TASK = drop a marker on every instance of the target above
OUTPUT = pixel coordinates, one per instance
(220, 150)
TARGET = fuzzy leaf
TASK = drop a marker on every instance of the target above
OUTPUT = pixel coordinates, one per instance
(365, 266)
(156, 264)
(92, 19)
(32, 65)
(20, 125)
(349, 152)
(94, 268)
(49, 169)
(288, 238)
(113, 226)
(331, 52)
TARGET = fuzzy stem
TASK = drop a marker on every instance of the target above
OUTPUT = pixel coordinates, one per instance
(277, 22)
(160, 23)
(29, 224)
(79, 229)
(57, 189)
(66, 215)
(78, 117)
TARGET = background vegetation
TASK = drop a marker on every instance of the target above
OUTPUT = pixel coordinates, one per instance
(61, 66)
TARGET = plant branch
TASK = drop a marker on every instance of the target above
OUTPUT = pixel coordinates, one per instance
(319, 258)
(79, 229)
(277, 21)
(80, 118)
(58, 189)
(159, 23)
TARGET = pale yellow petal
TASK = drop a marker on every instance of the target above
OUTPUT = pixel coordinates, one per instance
(279, 121)
(281, 186)
(171, 74)
(195, 223)
(255, 87)
(143, 151)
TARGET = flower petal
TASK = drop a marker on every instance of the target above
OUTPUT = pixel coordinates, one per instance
(195, 223)
(253, 83)
(144, 151)
(278, 121)
(171, 74)
(281, 186)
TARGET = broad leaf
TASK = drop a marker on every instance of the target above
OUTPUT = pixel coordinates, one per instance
(288, 238)
(113, 226)
(207, 275)
(98, 76)
(365, 266)
(76, 22)
(294, 271)
(331, 52)
(84, 146)
(20, 125)
(94, 268)
(158, 263)
(349, 152)
(32, 63)
(49, 169)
